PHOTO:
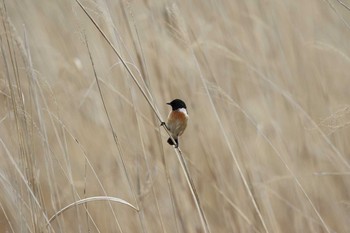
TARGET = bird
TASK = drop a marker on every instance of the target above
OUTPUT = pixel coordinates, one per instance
(177, 120)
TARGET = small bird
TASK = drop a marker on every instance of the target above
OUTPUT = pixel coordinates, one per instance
(177, 120)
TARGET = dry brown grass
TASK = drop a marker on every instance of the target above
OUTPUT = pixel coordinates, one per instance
(267, 88)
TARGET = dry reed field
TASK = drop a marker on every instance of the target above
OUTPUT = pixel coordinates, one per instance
(83, 90)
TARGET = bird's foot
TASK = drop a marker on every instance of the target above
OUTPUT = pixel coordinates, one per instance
(163, 124)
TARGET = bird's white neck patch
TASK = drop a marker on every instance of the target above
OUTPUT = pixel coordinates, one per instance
(183, 110)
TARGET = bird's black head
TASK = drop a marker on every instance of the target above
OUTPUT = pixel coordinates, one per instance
(176, 104)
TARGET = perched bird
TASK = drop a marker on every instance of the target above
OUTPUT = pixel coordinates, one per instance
(177, 120)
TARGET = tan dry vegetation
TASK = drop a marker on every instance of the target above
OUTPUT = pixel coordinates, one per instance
(267, 88)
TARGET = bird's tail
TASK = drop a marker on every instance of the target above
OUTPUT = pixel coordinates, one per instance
(171, 141)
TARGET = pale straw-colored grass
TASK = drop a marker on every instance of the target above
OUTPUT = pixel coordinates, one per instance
(82, 99)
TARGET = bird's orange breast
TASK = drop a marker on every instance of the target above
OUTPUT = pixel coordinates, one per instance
(177, 122)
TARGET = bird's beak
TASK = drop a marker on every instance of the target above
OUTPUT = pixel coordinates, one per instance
(168, 103)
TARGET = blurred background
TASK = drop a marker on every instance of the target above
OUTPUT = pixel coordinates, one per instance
(266, 85)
